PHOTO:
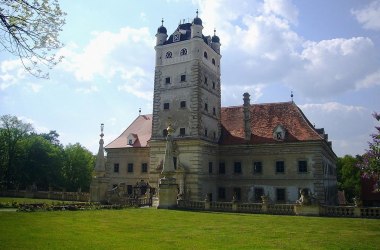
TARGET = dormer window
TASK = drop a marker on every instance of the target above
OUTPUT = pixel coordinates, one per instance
(279, 133)
(183, 52)
(131, 139)
(176, 37)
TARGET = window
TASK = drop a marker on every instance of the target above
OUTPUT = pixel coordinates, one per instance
(167, 80)
(258, 193)
(206, 107)
(214, 111)
(213, 85)
(175, 162)
(213, 61)
(144, 168)
(214, 135)
(183, 78)
(205, 80)
(116, 168)
(210, 167)
(165, 132)
(302, 166)
(183, 52)
(130, 142)
(257, 167)
(280, 194)
(129, 189)
(169, 54)
(221, 193)
(166, 105)
(222, 168)
(130, 167)
(237, 193)
(182, 131)
(206, 132)
(280, 167)
(176, 37)
(205, 54)
(183, 104)
(237, 167)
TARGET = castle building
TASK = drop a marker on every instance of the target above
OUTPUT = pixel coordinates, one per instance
(242, 151)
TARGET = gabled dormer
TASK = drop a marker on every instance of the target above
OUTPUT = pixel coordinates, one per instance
(131, 139)
(279, 133)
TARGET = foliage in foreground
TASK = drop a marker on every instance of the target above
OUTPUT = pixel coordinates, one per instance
(170, 229)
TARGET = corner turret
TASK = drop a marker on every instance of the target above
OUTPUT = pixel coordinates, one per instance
(215, 43)
(196, 27)
(161, 34)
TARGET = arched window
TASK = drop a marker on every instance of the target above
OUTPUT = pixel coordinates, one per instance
(205, 54)
(169, 54)
(213, 61)
(165, 132)
(183, 52)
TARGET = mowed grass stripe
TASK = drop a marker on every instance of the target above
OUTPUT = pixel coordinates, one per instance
(171, 229)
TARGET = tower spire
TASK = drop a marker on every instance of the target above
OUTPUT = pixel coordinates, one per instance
(100, 166)
(291, 95)
(197, 13)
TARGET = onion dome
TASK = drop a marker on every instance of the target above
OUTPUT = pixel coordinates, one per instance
(215, 38)
(162, 29)
(197, 20)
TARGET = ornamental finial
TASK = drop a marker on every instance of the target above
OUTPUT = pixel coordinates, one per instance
(162, 22)
(197, 12)
(101, 130)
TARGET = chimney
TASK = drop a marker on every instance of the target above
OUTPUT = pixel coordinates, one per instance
(247, 117)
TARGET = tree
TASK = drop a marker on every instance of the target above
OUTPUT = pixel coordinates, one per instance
(78, 166)
(12, 131)
(370, 162)
(29, 30)
(348, 176)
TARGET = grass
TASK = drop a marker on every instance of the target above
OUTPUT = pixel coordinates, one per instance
(170, 229)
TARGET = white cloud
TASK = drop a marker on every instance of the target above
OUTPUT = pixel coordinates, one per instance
(369, 16)
(87, 90)
(34, 87)
(369, 80)
(11, 73)
(341, 123)
(281, 8)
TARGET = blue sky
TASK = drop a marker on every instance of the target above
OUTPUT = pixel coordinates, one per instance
(326, 52)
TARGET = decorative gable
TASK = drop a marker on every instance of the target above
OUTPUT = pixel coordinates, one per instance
(279, 133)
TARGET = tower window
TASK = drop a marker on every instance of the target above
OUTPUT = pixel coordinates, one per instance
(206, 132)
(210, 167)
(222, 168)
(214, 135)
(144, 167)
(205, 80)
(213, 85)
(205, 54)
(165, 132)
(167, 80)
(182, 131)
(237, 167)
(213, 61)
(214, 111)
(130, 167)
(166, 105)
(183, 104)
(206, 107)
(183, 78)
(280, 167)
(116, 168)
(302, 166)
(183, 52)
(169, 54)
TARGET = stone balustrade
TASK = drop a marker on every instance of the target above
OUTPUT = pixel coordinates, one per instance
(52, 195)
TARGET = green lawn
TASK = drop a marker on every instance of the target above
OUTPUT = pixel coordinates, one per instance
(170, 229)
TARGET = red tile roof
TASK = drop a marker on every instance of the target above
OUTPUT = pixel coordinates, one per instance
(140, 127)
(264, 119)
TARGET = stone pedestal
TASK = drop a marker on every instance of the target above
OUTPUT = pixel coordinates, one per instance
(312, 210)
(98, 189)
(167, 193)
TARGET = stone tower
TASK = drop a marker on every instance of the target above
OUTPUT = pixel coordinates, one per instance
(187, 95)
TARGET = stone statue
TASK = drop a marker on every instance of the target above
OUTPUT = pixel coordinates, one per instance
(305, 197)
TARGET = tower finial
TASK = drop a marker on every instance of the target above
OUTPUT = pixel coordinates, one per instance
(291, 95)
(101, 130)
(139, 111)
(197, 12)
(214, 31)
(162, 22)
